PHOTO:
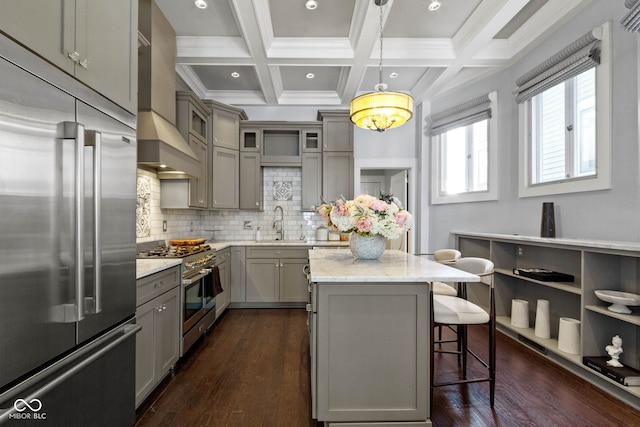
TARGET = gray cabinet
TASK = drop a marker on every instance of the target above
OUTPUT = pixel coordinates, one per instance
(337, 156)
(225, 188)
(238, 274)
(312, 140)
(223, 261)
(337, 130)
(311, 180)
(274, 275)
(250, 181)
(281, 146)
(594, 265)
(224, 176)
(177, 191)
(158, 343)
(337, 175)
(95, 41)
(370, 353)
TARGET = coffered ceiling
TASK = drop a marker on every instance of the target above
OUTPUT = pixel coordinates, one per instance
(272, 45)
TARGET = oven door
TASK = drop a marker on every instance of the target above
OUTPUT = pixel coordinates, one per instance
(209, 293)
(193, 304)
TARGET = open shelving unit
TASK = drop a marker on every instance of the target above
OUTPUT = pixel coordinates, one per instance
(594, 265)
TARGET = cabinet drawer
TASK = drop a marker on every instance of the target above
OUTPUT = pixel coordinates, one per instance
(156, 284)
(278, 252)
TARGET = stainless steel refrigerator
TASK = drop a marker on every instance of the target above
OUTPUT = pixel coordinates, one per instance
(67, 249)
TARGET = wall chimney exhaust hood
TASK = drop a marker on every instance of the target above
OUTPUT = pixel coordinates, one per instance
(160, 144)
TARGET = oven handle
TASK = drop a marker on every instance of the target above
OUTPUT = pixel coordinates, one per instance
(207, 270)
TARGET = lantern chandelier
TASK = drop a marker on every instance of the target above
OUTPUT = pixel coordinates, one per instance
(381, 110)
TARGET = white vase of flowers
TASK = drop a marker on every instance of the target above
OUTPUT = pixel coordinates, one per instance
(367, 217)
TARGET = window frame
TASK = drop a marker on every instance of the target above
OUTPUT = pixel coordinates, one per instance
(601, 180)
(491, 193)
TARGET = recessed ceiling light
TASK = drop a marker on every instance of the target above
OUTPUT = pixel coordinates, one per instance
(311, 4)
(200, 4)
(434, 5)
(235, 74)
(393, 75)
(310, 75)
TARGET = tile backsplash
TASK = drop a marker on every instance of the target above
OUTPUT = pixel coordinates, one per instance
(281, 187)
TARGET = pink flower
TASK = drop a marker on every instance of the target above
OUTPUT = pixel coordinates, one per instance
(379, 205)
(340, 209)
(402, 217)
(325, 210)
(364, 225)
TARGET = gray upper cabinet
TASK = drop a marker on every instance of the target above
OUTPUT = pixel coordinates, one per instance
(337, 155)
(311, 180)
(281, 146)
(193, 122)
(250, 181)
(250, 139)
(225, 188)
(337, 130)
(312, 140)
(224, 175)
(95, 41)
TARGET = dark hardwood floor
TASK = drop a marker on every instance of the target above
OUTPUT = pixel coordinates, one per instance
(252, 369)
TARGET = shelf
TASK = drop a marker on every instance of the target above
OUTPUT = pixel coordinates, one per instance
(548, 343)
(634, 319)
(563, 286)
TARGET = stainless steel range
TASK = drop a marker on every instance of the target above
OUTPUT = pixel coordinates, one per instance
(198, 301)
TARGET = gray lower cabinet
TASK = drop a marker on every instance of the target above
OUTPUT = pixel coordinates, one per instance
(224, 264)
(369, 354)
(225, 188)
(95, 41)
(158, 343)
(274, 275)
(238, 274)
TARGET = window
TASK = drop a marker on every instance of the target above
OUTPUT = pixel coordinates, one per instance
(565, 143)
(463, 149)
(563, 136)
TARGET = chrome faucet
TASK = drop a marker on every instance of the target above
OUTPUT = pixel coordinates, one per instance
(278, 224)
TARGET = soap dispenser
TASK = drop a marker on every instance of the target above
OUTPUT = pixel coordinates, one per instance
(258, 234)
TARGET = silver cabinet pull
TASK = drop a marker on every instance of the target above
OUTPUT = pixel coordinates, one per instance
(74, 56)
(84, 63)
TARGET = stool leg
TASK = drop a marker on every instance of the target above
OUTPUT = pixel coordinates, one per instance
(431, 353)
(492, 349)
(464, 352)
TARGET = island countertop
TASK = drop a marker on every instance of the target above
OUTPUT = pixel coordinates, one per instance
(339, 265)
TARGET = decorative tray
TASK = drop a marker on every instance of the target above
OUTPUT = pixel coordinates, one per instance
(543, 275)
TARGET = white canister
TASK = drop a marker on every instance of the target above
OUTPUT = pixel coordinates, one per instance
(322, 233)
(520, 313)
(543, 323)
(569, 335)
(334, 235)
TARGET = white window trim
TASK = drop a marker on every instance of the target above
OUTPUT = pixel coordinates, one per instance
(492, 167)
(602, 179)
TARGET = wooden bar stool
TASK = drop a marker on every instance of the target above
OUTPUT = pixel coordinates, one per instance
(459, 312)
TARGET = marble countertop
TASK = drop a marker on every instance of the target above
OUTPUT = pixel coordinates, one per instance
(337, 265)
(148, 266)
(587, 243)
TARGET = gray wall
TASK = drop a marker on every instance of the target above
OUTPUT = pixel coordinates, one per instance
(606, 215)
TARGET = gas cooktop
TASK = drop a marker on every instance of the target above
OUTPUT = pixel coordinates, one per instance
(159, 249)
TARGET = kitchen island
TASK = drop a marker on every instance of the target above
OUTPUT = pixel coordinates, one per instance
(369, 325)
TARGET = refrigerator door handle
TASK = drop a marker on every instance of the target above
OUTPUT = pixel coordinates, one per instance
(127, 331)
(71, 313)
(93, 305)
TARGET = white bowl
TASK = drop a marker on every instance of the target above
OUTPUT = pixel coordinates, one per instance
(619, 300)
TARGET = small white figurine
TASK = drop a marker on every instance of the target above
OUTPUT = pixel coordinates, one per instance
(614, 351)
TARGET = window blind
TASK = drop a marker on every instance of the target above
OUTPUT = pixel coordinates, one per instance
(631, 22)
(574, 59)
(476, 110)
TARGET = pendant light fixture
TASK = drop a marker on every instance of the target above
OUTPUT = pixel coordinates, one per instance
(381, 110)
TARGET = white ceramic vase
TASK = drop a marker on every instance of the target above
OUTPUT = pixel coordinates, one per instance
(364, 247)
(543, 326)
(569, 335)
(520, 313)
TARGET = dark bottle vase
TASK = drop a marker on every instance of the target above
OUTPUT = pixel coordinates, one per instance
(548, 225)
